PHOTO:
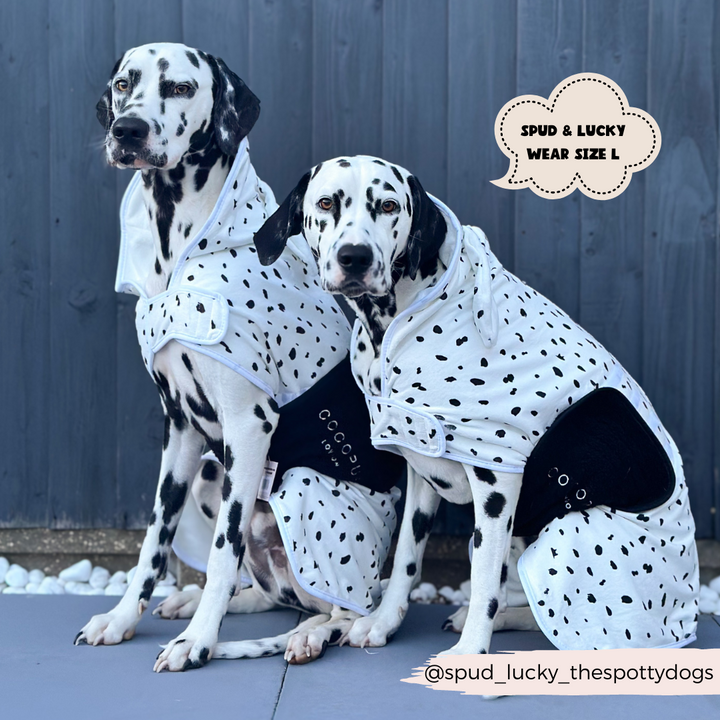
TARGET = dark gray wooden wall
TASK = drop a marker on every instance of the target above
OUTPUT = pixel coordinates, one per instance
(417, 81)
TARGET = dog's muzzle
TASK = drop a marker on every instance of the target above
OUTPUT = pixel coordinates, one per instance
(130, 132)
(129, 146)
(354, 262)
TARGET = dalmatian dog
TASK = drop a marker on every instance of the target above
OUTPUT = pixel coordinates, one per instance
(239, 357)
(495, 396)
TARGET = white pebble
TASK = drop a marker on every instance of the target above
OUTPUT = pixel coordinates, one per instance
(708, 606)
(36, 576)
(168, 580)
(4, 565)
(51, 586)
(447, 592)
(715, 584)
(17, 577)
(465, 589)
(2, 586)
(114, 588)
(131, 574)
(164, 590)
(71, 587)
(708, 594)
(79, 572)
(32, 588)
(191, 586)
(14, 591)
(99, 577)
(424, 593)
(118, 578)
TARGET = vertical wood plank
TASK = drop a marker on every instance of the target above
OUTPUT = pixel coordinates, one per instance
(347, 78)
(280, 73)
(138, 22)
(611, 257)
(481, 79)
(82, 270)
(139, 412)
(24, 265)
(547, 232)
(221, 29)
(681, 236)
(415, 89)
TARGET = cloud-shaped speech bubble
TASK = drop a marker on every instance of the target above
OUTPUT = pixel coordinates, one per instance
(585, 135)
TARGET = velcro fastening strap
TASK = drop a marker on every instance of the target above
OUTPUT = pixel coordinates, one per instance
(181, 314)
(397, 424)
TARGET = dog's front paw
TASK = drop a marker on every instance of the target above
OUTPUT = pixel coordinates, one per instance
(179, 605)
(304, 647)
(108, 629)
(456, 622)
(374, 630)
(185, 653)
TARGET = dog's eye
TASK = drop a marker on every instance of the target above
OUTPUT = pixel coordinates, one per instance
(325, 203)
(122, 85)
(389, 206)
(182, 89)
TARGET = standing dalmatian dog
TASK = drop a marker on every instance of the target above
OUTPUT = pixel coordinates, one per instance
(494, 396)
(240, 356)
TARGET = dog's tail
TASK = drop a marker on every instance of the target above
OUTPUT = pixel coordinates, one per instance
(274, 645)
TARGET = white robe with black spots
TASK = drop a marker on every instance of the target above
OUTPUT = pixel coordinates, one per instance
(476, 370)
(336, 535)
(277, 328)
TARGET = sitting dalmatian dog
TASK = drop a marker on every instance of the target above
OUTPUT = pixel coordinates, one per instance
(248, 362)
(495, 396)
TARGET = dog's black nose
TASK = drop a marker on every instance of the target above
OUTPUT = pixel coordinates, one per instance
(130, 130)
(355, 259)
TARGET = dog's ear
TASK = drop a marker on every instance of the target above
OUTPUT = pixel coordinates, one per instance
(427, 231)
(103, 109)
(286, 221)
(235, 107)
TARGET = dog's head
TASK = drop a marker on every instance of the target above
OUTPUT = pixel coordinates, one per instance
(367, 223)
(165, 99)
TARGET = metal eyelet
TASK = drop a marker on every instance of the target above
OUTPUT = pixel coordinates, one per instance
(560, 480)
(581, 494)
(568, 506)
(552, 472)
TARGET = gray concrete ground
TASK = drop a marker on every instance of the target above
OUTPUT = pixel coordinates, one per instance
(43, 675)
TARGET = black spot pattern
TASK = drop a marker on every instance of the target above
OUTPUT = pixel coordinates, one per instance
(337, 537)
(315, 331)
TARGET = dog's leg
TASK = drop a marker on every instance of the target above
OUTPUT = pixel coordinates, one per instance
(184, 604)
(248, 421)
(518, 615)
(421, 503)
(495, 496)
(180, 461)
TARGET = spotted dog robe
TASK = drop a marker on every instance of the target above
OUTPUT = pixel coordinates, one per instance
(279, 330)
(480, 369)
